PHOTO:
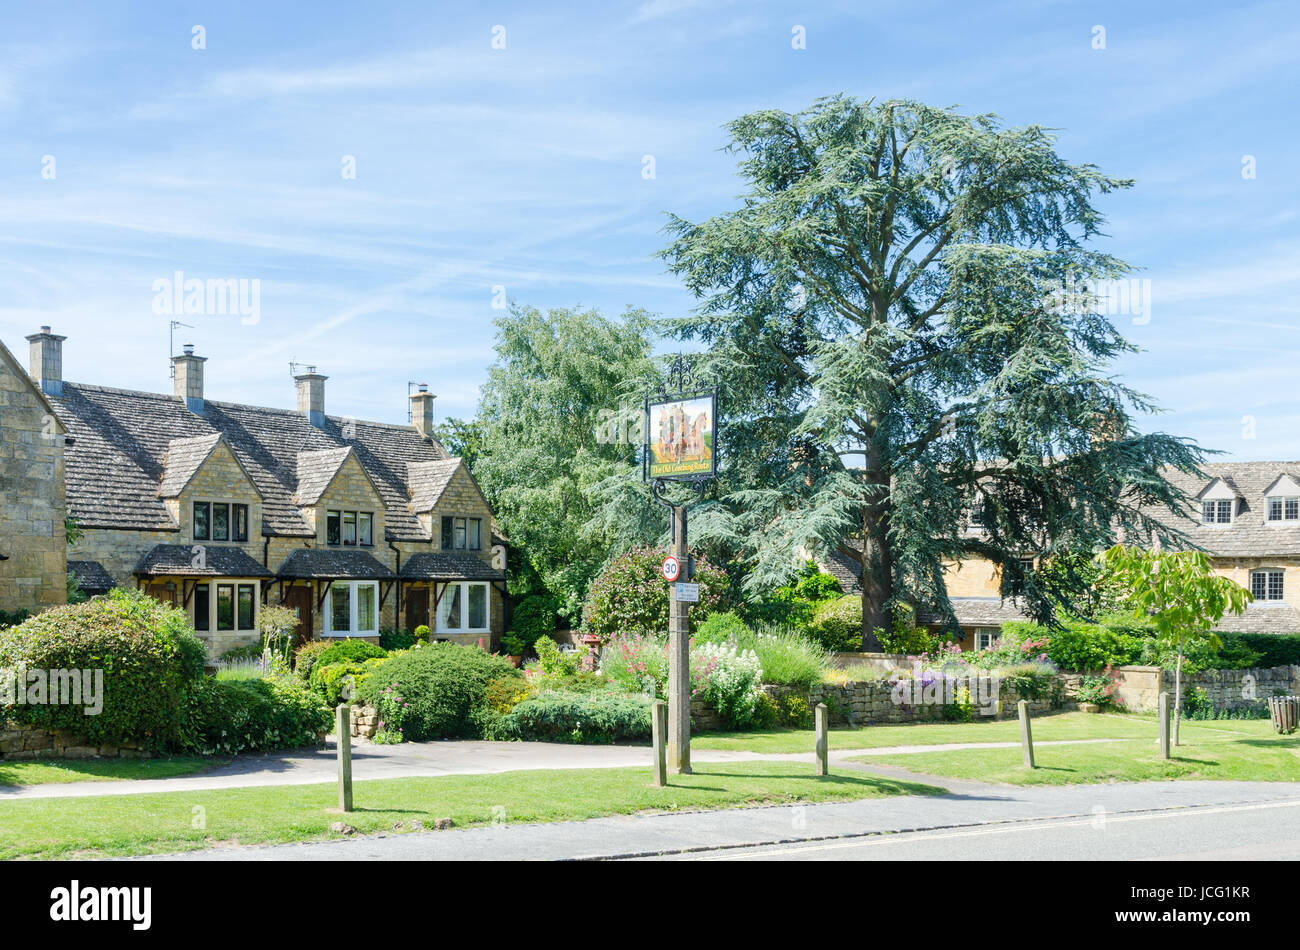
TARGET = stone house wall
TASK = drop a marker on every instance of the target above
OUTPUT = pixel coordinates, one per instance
(32, 501)
(1139, 687)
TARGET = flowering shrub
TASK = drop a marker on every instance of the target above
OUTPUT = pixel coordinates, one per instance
(631, 596)
(636, 664)
(732, 677)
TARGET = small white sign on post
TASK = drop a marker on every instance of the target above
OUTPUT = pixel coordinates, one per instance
(687, 593)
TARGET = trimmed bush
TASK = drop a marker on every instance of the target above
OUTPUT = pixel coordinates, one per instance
(149, 656)
(837, 624)
(304, 659)
(443, 686)
(630, 596)
(723, 628)
(578, 717)
(328, 680)
(232, 716)
(358, 650)
(390, 639)
(1274, 649)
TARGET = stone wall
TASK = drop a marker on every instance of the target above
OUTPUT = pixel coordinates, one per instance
(363, 722)
(877, 702)
(1139, 687)
(32, 503)
(23, 741)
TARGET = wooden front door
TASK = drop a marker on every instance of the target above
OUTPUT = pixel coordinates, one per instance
(417, 608)
(300, 598)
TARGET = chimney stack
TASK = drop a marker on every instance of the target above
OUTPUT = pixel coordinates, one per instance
(311, 396)
(188, 373)
(422, 410)
(46, 363)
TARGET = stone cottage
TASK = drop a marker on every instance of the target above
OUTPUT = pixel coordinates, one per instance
(220, 508)
(33, 548)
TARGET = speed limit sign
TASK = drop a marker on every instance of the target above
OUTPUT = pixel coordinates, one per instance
(671, 569)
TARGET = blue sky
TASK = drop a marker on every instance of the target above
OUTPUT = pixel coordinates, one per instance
(522, 167)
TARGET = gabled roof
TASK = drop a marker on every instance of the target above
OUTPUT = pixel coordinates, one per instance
(20, 371)
(317, 471)
(428, 480)
(122, 438)
(1220, 487)
(1285, 485)
(184, 459)
(92, 577)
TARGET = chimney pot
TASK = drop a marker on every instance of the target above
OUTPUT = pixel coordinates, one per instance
(46, 361)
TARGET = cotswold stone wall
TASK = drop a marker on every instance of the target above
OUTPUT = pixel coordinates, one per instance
(22, 741)
(1139, 687)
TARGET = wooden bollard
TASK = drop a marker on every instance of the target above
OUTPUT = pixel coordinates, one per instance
(1164, 725)
(823, 766)
(1026, 734)
(342, 721)
(659, 732)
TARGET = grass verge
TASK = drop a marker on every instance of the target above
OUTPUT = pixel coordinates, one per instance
(59, 771)
(159, 823)
(1069, 725)
(1229, 750)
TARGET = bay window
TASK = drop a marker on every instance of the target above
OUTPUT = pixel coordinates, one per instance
(353, 609)
(463, 608)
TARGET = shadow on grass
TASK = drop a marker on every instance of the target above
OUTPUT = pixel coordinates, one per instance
(892, 786)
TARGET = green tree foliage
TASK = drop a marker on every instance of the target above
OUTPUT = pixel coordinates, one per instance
(888, 318)
(544, 419)
(631, 597)
(1181, 594)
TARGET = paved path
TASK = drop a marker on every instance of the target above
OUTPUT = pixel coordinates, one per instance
(415, 759)
(1080, 822)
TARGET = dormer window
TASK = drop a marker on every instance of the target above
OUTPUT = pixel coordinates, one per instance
(1283, 509)
(1216, 511)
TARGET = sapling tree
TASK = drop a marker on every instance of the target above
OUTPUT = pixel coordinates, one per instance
(1179, 592)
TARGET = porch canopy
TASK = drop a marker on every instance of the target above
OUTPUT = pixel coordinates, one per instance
(194, 560)
(92, 577)
(448, 566)
(321, 568)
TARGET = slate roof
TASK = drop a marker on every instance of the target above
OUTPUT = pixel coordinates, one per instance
(1249, 535)
(183, 459)
(177, 559)
(450, 567)
(979, 612)
(118, 459)
(845, 570)
(334, 564)
(316, 470)
(1262, 618)
(428, 480)
(92, 577)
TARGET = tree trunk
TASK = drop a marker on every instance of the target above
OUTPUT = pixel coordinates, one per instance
(877, 577)
(1178, 690)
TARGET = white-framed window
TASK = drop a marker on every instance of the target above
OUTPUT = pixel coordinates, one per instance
(465, 607)
(1267, 584)
(977, 517)
(225, 605)
(1283, 509)
(352, 609)
(1216, 511)
(986, 637)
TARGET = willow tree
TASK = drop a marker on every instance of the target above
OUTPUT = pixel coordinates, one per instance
(901, 319)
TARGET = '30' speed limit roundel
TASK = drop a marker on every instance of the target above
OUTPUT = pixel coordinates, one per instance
(671, 569)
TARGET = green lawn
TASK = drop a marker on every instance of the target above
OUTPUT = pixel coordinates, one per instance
(1238, 750)
(1070, 725)
(45, 771)
(153, 823)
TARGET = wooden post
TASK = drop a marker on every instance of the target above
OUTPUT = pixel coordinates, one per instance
(659, 730)
(822, 743)
(679, 661)
(1164, 725)
(1026, 733)
(342, 721)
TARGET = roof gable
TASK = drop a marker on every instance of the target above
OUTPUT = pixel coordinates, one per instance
(186, 458)
(1219, 488)
(317, 471)
(1285, 486)
(20, 372)
(428, 480)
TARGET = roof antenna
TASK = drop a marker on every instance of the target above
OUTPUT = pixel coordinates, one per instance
(295, 368)
(171, 342)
